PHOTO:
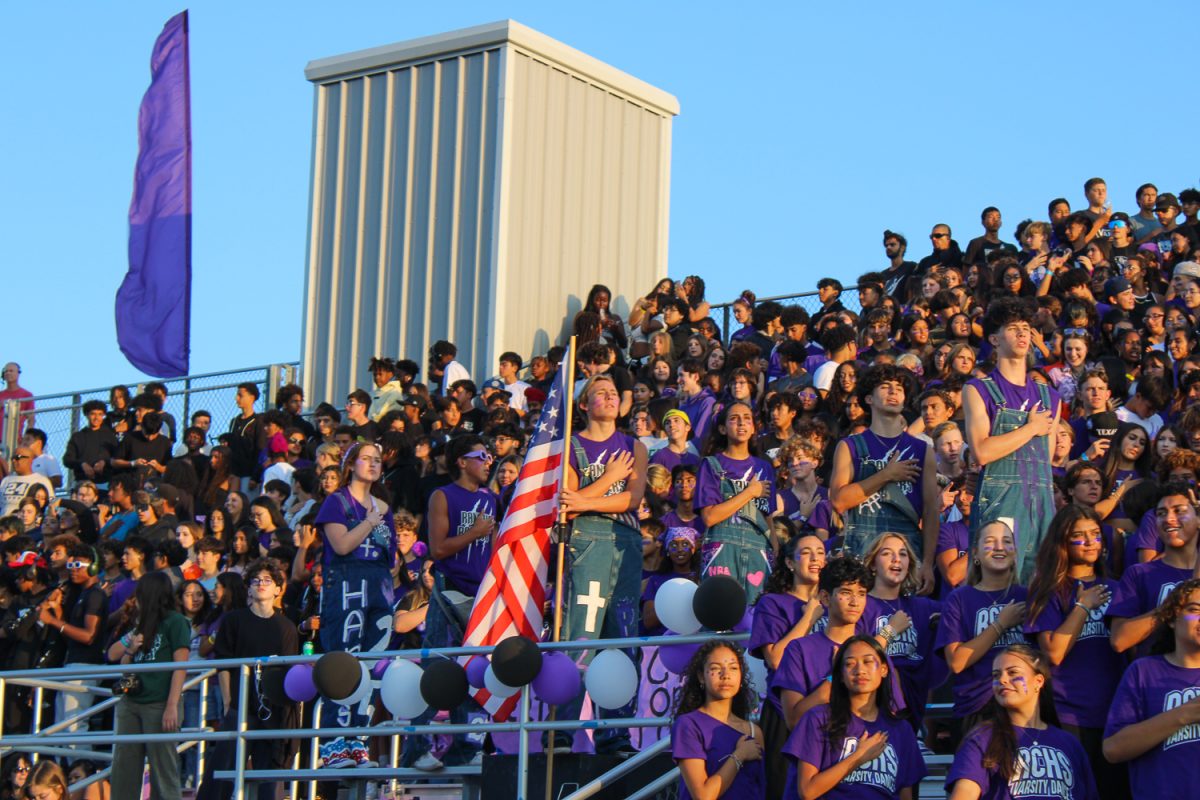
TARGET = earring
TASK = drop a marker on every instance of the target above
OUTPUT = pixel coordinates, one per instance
(976, 562)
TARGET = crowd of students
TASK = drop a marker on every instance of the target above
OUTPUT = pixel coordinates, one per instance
(978, 489)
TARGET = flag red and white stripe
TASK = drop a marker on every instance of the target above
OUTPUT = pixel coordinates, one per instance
(513, 592)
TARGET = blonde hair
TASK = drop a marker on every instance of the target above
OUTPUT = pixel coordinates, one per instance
(585, 393)
(49, 775)
(658, 479)
(975, 573)
(795, 446)
(911, 581)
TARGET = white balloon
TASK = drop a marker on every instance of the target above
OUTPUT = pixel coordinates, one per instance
(758, 675)
(673, 605)
(493, 685)
(611, 679)
(363, 689)
(400, 689)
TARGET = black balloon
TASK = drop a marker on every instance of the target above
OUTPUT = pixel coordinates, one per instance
(337, 675)
(719, 603)
(444, 685)
(516, 661)
(270, 686)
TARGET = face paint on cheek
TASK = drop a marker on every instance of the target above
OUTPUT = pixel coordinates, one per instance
(1190, 617)
(1019, 682)
(1077, 542)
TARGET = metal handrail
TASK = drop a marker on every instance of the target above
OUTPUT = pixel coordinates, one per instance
(198, 376)
(625, 767)
(242, 735)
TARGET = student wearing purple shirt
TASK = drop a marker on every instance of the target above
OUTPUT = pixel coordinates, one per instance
(735, 493)
(1143, 587)
(954, 544)
(805, 502)
(1018, 751)
(856, 747)
(1068, 599)
(799, 681)
(1009, 418)
(696, 401)
(683, 490)
(885, 479)
(901, 620)
(1154, 722)
(718, 749)
(462, 525)
(789, 609)
(980, 619)
(680, 546)
(679, 449)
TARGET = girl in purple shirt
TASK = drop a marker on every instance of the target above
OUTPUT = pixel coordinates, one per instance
(1068, 598)
(718, 749)
(1154, 723)
(980, 619)
(680, 546)
(901, 620)
(856, 747)
(1018, 751)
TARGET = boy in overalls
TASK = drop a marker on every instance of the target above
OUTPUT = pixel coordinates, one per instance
(884, 480)
(1009, 417)
(605, 480)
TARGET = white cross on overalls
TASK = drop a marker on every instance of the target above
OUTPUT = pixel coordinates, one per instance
(594, 603)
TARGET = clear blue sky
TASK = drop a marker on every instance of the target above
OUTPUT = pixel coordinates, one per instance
(803, 134)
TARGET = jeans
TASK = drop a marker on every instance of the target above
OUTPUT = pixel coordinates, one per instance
(740, 552)
(128, 759)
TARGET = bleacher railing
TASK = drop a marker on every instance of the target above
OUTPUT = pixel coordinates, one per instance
(60, 415)
(58, 737)
(810, 301)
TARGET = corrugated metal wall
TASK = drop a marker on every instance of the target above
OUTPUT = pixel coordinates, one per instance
(588, 175)
(404, 181)
(472, 187)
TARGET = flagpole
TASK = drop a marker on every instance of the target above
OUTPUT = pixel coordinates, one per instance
(563, 531)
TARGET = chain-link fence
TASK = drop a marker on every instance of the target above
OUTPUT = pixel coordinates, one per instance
(60, 415)
(723, 312)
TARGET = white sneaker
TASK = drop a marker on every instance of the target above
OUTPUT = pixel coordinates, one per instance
(428, 763)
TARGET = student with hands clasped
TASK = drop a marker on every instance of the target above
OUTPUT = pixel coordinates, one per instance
(718, 749)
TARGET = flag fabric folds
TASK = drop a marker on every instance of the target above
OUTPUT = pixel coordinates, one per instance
(513, 592)
(153, 304)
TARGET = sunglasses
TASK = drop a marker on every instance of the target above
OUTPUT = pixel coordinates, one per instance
(479, 455)
(939, 235)
(296, 441)
(1076, 332)
(78, 564)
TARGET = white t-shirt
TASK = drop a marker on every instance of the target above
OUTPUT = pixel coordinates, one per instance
(47, 465)
(1152, 425)
(14, 488)
(823, 377)
(454, 372)
(279, 472)
(517, 389)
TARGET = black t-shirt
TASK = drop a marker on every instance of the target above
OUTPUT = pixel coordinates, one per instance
(136, 445)
(368, 431)
(894, 279)
(244, 634)
(248, 439)
(473, 421)
(89, 602)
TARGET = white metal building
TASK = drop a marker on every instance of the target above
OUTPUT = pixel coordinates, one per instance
(472, 186)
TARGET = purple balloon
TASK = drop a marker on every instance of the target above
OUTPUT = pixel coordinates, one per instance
(676, 657)
(298, 683)
(380, 667)
(476, 670)
(559, 680)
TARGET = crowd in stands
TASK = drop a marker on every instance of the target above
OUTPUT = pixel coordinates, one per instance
(977, 489)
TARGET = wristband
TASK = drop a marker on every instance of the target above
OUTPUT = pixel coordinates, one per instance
(887, 631)
(126, 641)
(1080, 604)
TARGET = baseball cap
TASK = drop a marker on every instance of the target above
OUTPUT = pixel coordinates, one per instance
(170, 494)
(1114, 286)
(493, 383)
(535, 395)
(1166, 201)
(675, 412)
(1187, 269)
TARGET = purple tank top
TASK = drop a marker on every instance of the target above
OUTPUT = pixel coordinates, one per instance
(1018, 398)
(465, 569)
(879, 450)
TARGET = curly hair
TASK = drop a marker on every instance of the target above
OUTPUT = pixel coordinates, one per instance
(1169, 611)
(692, 694)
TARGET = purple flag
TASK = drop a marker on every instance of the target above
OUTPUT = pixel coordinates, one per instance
(154, 301)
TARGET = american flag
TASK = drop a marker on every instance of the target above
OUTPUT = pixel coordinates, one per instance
(513, 591)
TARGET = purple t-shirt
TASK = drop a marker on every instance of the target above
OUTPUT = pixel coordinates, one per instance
(1143, 587)
(821, 517)
(1017, 398)
(1087, 677)
(653, 583)
(697, 735)
(465, 569)
(1144, 538)
(671, 520)
(1052, 765)
(700, 412)
(774, 616)
(911, 653)
(967, 613)
(1149, 687)
(598, 453)
(739, 472)
(899, 765)
(952, 536)
(666, 457)
(342, 508)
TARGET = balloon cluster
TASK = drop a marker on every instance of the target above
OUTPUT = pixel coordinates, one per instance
(718, 604)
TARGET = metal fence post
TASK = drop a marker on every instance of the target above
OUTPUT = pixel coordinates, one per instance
(273, 372)
(239, 783)
(314, 753)
(12, 425)
(523, 748)
(725, 332)
(187, 407)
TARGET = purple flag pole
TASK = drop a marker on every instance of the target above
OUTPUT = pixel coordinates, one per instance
(154, 301)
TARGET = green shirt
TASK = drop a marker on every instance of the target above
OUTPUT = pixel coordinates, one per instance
(174, 633)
